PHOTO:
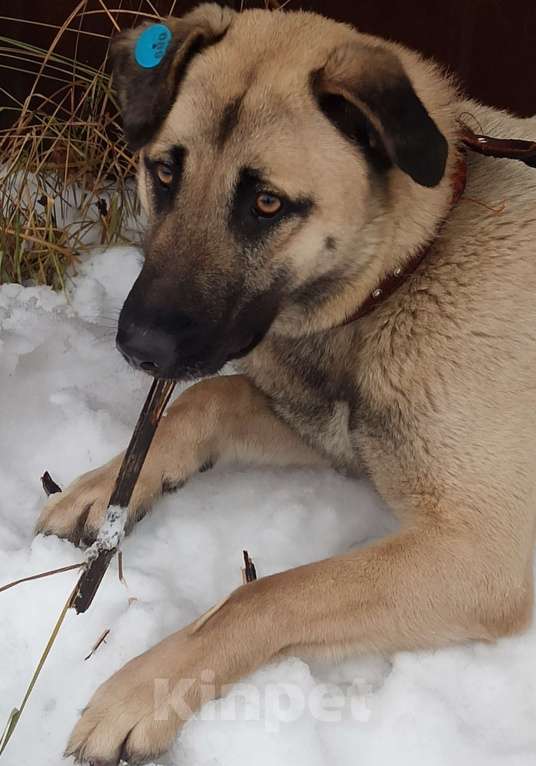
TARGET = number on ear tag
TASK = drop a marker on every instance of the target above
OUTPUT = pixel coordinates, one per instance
(152, 45)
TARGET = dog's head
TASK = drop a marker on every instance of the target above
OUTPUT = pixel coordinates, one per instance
(268, 144)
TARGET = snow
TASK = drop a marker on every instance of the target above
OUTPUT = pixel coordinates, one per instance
(111, 532)
(68, 404)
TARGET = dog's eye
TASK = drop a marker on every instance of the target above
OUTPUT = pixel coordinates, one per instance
(164, 173)
(267, 205)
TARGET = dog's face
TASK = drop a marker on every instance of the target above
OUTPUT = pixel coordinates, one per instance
(261, 134)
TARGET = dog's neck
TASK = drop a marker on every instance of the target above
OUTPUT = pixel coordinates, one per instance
(371, 289)
(515, 149)
(395, 278)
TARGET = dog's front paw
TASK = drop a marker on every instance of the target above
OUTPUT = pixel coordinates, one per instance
(78, 512)
(136, 715)
(138, 712)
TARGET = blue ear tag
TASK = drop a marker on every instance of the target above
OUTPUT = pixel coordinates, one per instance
(151, 45)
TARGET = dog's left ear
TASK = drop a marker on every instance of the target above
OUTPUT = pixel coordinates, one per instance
(377, 92)
(150, 61)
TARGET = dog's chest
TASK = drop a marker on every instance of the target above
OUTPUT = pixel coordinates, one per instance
(310, 385)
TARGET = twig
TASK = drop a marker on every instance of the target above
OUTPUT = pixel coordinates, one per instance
(40, 575)
(135, 455)
(101, 640)
(49, 485)
(120, 569)
(250, 573)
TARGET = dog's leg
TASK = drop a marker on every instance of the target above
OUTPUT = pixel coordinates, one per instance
(218, 420)
(421, 588)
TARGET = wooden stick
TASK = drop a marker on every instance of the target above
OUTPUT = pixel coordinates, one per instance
(135, 455)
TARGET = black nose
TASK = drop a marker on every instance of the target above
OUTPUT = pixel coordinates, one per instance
(146, 348)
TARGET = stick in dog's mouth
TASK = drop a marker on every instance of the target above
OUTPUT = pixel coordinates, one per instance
(112, 529)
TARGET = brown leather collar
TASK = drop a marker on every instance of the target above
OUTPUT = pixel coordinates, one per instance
(513, 149)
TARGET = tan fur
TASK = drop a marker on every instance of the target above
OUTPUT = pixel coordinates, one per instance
(432, 395)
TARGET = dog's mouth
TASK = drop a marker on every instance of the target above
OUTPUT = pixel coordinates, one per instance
(188, 341)
(163, 355)
(247, 348)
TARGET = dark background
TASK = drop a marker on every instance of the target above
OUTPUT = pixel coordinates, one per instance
(489, 44)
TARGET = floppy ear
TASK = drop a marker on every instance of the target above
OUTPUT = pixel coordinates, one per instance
(364, 89)
(147, 90)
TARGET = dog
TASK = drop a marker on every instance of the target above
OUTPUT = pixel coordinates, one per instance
(290, 167)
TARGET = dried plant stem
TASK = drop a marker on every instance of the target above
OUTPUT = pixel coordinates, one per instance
(17, 712)
(120, 571)
(40, 576)
(101, 640)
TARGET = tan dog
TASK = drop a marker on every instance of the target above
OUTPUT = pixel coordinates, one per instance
(289, 163)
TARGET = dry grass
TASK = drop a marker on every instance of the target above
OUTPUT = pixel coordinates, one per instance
(66, 175)
(65, 172)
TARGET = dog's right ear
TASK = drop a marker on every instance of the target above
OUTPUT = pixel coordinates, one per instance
(147, 79)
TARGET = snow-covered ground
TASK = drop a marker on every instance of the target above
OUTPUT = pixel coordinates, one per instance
(68, 402)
